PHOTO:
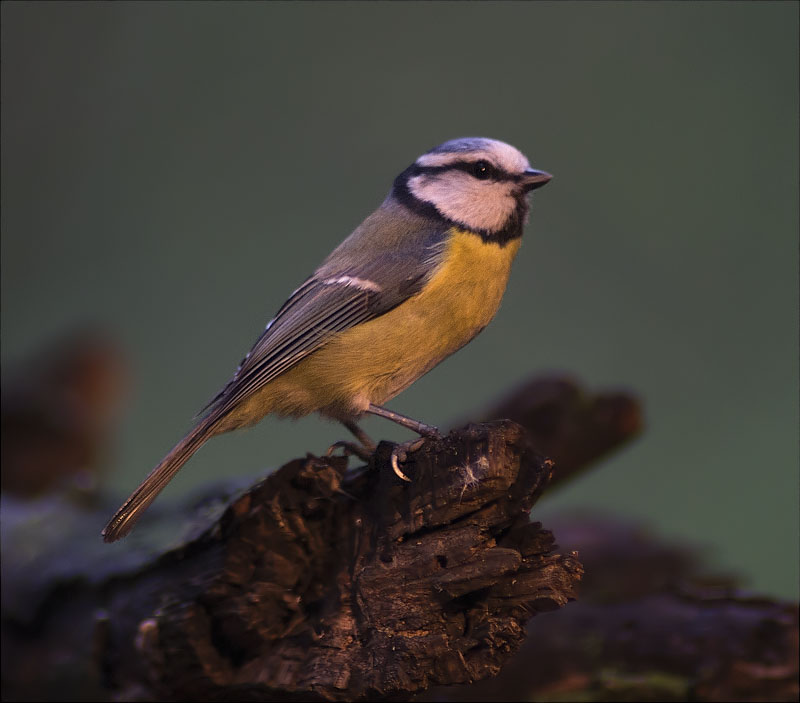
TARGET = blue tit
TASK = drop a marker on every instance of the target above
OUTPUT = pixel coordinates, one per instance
(416, 281)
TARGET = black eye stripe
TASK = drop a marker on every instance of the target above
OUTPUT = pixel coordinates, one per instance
(468, 167)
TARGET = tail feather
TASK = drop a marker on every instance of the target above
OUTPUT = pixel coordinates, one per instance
(130, 512)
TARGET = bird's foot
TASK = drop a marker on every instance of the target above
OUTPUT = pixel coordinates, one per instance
(350, 449)
(401, 451)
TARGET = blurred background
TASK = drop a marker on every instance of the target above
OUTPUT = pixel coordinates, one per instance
(171, 172)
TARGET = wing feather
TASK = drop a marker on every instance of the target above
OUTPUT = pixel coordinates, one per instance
(297, 334)
(333, 300)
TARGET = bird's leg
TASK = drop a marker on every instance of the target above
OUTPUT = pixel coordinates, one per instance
(360, 435)
(363, 450)
(404, 421)
(401, 451)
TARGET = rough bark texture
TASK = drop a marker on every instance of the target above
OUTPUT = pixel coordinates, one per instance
(333, 585)
(321, 584)
(649, 625)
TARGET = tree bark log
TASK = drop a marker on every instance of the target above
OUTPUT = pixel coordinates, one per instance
(319, 583)
(650, 625)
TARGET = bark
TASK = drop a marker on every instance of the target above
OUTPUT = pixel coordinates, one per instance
(650, 625)
(319, 583)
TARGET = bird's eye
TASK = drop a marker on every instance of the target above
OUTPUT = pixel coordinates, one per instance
(482, 170)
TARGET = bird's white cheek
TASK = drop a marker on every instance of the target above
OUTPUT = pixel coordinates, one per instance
(472, 203)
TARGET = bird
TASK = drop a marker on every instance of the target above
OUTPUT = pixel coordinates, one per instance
(418, 279)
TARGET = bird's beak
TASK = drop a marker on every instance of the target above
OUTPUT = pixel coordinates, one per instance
(533, 179)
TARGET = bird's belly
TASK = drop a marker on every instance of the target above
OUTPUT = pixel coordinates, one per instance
(374, 361)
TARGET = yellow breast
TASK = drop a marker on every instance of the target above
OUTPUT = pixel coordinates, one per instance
(374, 361)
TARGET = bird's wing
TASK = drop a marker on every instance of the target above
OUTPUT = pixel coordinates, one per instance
(327, 303)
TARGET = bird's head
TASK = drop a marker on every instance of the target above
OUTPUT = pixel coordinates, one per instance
(476, 183)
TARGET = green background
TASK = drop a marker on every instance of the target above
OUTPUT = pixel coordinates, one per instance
(173, 171)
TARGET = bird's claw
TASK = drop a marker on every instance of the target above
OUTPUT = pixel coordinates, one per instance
(349, 449)
(400, 454)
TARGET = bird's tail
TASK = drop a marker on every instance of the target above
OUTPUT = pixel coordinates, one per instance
(130, 512)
